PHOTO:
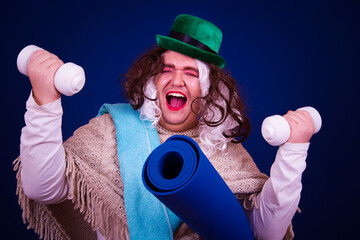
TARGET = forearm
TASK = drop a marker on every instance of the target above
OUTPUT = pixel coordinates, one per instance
(280, 196)
(42, 153)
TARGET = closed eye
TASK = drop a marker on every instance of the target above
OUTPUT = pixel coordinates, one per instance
(168, 69)
(191, 73)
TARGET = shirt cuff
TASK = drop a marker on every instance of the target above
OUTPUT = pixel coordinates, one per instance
(53, 107)
(295, 146)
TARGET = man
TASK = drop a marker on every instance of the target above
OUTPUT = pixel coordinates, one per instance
(181, 88)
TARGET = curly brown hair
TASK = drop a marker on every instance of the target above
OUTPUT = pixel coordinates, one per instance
(151, 64)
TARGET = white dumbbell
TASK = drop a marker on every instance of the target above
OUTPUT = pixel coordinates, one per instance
(276, 130)
(69, 78)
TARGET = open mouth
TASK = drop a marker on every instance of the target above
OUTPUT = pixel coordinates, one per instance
(175, 101)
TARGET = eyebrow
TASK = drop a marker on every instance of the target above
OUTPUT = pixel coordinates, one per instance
(184, 68)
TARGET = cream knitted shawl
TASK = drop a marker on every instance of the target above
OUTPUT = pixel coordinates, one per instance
(95, 197)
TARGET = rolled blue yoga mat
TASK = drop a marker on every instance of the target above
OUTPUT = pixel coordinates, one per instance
(178, 173)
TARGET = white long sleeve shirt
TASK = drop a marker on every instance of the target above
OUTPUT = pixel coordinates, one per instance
(43, 171)
(42, 153)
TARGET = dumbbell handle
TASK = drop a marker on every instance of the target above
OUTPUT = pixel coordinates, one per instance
(69, 78)
(276, 130)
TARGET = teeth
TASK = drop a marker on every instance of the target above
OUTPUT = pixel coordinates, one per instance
(176, 95)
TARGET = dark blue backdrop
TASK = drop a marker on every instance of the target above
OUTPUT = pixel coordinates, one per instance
(285, 55)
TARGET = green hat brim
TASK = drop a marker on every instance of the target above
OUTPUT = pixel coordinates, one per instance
(191, 51)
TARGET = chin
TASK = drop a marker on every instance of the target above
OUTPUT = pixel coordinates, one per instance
(177, 124)
(174, 120)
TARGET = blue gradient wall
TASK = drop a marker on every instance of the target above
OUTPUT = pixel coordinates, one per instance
(284, 55)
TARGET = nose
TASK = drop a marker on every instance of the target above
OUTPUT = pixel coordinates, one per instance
(178, 78)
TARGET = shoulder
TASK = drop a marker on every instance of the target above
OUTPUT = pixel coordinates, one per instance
(239, 170)
(234, 158)
(236, 152)
(98, 130)
(103, 123)
(104, 120)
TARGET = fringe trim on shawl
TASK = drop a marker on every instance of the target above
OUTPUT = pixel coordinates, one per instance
(35, 214)
(91, 204)
(84, 198)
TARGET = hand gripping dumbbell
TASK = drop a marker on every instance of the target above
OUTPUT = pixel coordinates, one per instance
(69, 78)
(276, 130)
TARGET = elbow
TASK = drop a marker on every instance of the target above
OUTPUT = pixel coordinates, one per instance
(49, 194)
(31, 194)
(273, 216)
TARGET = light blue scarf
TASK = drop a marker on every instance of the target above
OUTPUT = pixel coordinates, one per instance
(147, 217)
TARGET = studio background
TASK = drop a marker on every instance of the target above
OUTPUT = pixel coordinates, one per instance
(284, 54)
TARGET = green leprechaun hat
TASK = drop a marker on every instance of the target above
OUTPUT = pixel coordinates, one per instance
(194, 37)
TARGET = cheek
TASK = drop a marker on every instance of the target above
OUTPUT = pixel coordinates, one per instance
(159, 85)
(195, 89)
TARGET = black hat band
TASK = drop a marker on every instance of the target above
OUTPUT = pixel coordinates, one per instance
(191, 41)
